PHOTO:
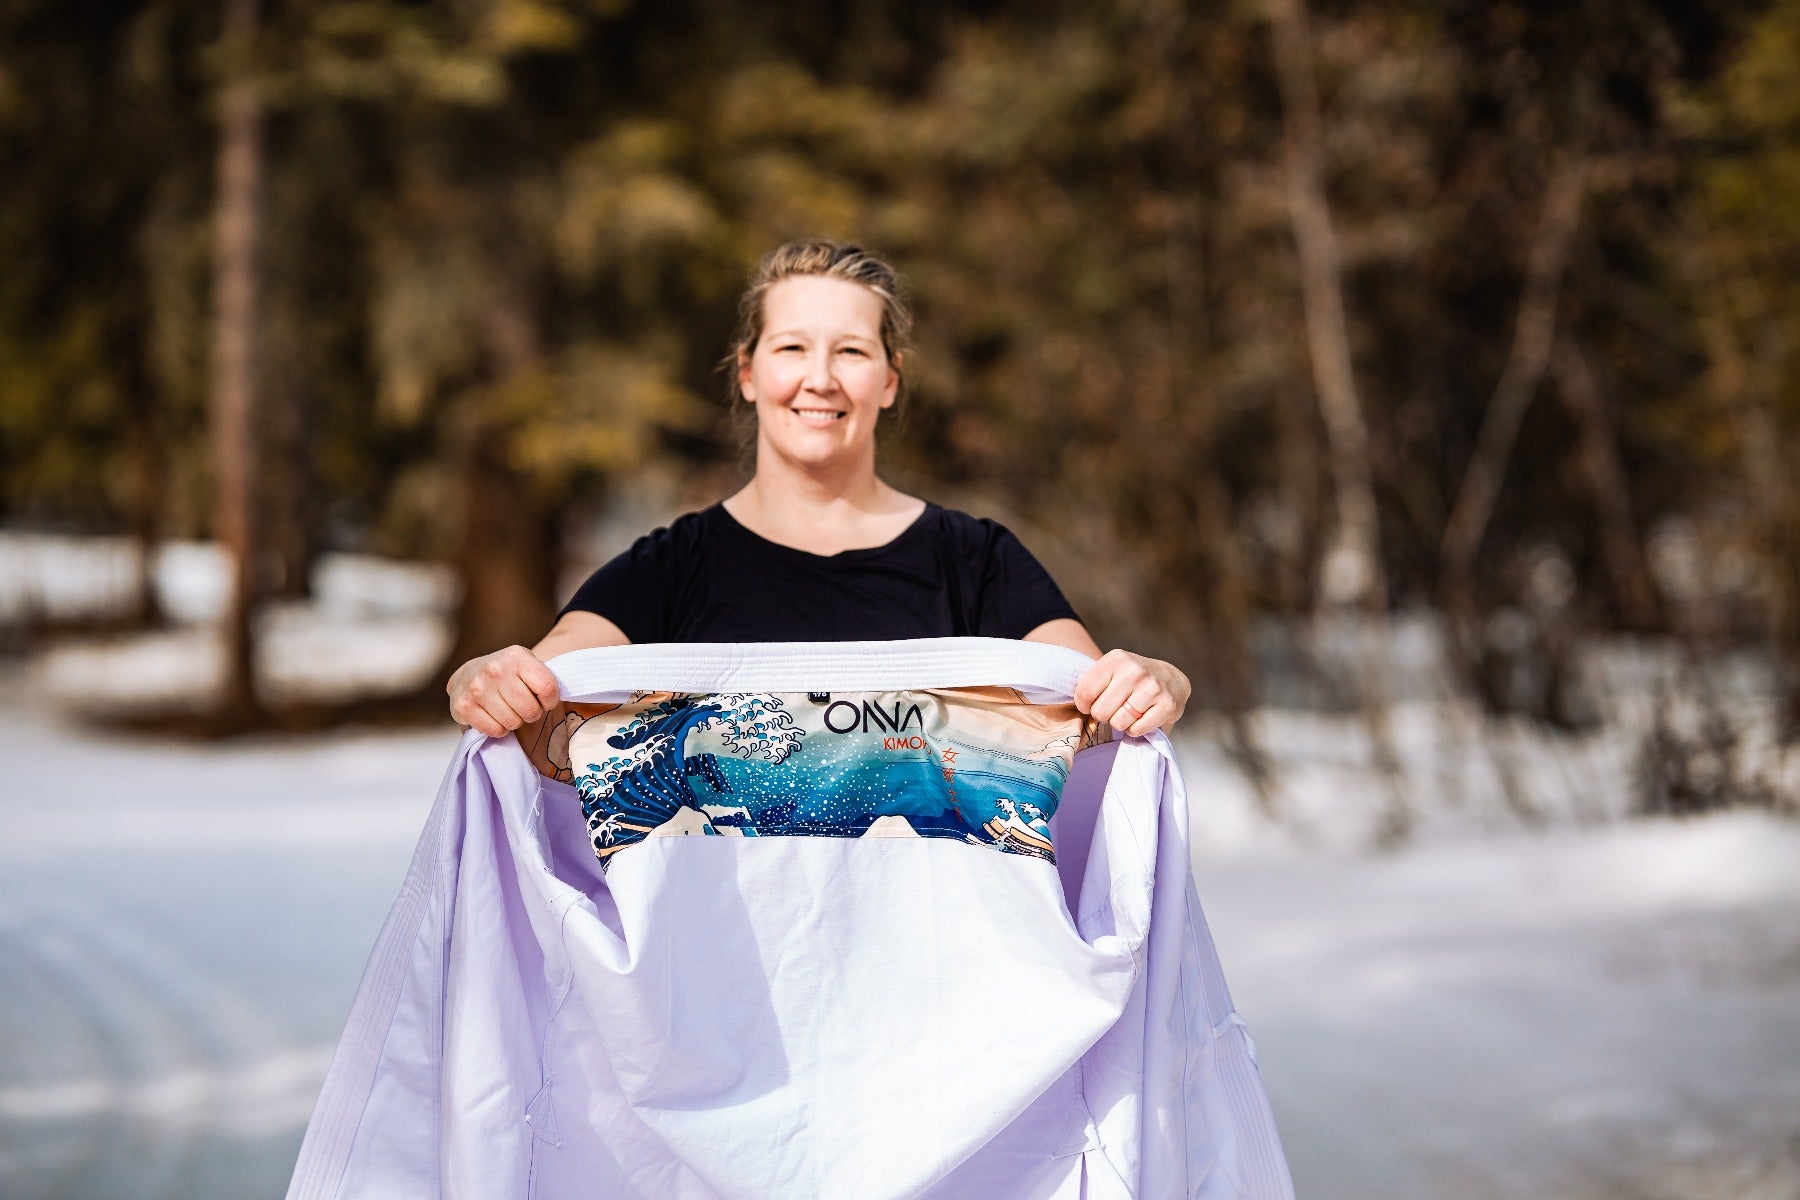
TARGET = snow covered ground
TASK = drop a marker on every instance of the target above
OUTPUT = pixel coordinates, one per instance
(373, 625)
(1603, 1015)
(1609, 1013)
(1599, 1009)
(181, 931)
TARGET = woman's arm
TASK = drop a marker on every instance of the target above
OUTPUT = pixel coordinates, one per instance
(1065, 631)
(579, 630)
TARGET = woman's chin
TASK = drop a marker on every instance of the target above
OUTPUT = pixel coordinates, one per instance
(816, 451)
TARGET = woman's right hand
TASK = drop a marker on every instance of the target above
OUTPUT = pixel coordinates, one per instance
(501, 691)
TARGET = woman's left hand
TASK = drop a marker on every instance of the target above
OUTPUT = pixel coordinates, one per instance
(1132, 693)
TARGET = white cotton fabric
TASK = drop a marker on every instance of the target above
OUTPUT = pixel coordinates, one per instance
(784, 1018)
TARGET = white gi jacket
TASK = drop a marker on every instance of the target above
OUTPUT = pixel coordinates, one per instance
(940, 939)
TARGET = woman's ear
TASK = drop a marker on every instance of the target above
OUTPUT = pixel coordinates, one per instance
(893, 382)
(743, 369)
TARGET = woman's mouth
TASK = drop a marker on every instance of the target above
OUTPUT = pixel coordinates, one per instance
(817, 416)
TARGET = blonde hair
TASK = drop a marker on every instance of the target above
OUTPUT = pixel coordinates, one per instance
(837, 260)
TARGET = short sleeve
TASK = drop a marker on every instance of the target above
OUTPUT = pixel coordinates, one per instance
(1017, 594)
(632, 590)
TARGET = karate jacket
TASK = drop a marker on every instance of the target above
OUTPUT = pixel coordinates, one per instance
(782, 921)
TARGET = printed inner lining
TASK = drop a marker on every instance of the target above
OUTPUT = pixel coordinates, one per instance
(980, 765)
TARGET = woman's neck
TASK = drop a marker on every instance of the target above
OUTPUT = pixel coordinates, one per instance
(834, 494)
(813, 514)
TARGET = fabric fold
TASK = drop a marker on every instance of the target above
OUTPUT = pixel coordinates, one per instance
(876, 919)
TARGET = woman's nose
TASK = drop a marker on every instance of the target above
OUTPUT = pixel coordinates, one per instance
(818, 372)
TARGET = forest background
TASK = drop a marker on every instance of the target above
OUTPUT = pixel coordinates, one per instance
(1258, 321)
(1423, 379)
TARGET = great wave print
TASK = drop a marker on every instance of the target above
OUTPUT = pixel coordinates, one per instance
(974, 764)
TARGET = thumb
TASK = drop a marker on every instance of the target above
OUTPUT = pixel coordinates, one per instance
(542, 681)
(1088, 687)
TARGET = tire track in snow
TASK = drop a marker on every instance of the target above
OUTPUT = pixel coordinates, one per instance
(140, 1042)
(35, 1148)
(183, 1059)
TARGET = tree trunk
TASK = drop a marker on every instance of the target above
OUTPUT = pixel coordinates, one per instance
(1186, 456)
(506, 552)
(233, 383)
(1533, 335)
(508, 548)
(1620, 548)
(1352, 572)
(147, 484)
(1223, 643)
(291, 488)
(146, 464)
(1744, 396)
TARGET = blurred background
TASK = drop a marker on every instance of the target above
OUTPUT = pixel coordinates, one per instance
(1422, 379)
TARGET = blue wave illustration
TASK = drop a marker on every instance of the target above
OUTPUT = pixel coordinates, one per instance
(752, 779)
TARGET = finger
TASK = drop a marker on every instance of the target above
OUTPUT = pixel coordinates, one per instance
(1118, 692)
(499, 710)
(1152, 717)
(1087, 689)
(462, 711)
(1136, 706)
(1094, 681)
(524, 701)
(479, 719)
(541, 680)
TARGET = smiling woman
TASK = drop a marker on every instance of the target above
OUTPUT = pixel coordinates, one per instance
(816, 546)
(823, 365)
(873, 326)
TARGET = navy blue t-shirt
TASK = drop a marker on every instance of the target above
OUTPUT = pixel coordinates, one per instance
(705, 577)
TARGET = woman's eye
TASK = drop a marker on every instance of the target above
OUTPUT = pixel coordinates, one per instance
(851, 350)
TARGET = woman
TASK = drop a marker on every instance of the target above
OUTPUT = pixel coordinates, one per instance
(816, 546)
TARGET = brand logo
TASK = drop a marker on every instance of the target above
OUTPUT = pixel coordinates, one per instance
(841, 716)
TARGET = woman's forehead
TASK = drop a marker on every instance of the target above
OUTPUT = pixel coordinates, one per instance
(820, 304)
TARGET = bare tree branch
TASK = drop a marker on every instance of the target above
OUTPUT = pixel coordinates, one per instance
(1620, 547)
(1352, 575)
(1533, 335)
(1357, 571)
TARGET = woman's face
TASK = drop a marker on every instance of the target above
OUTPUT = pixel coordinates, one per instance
(818, 374)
